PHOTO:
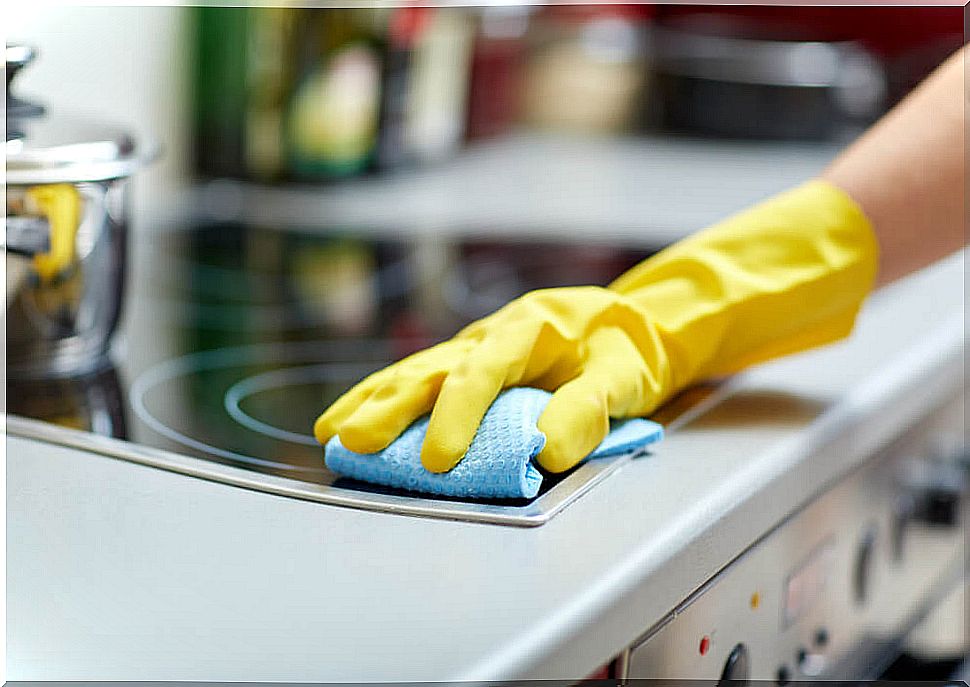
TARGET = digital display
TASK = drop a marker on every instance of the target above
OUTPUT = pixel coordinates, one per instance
(805, 584)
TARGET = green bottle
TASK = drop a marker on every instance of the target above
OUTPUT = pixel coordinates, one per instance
(219, 90)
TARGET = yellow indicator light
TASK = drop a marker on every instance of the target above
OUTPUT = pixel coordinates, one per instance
(755, 601)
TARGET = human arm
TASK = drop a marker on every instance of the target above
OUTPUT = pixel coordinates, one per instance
(907, 172)
(788, 274)
(782, 276)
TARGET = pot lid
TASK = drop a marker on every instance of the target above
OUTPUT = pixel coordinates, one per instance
(46, 148)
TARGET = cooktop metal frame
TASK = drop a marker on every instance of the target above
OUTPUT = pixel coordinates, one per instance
(540, 510)
(537, 512)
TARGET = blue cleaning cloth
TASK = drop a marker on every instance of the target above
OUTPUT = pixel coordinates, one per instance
(498, 464)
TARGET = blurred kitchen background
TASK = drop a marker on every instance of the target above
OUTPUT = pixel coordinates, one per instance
(391, 173)
(311, 99)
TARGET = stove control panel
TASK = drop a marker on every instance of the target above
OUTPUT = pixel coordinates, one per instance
(829, 593)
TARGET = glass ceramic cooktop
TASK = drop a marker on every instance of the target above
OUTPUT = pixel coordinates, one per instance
(237, 337)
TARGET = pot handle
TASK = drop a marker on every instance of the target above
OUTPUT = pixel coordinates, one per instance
(28, 235)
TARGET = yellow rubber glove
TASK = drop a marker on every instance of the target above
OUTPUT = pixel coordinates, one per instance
(61, 205)
(785, 275)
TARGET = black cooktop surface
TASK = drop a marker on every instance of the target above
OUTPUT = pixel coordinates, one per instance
(236, 337)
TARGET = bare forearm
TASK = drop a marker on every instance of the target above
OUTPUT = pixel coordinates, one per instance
(907, 173)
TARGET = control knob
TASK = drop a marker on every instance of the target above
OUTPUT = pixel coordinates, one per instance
(736, 670)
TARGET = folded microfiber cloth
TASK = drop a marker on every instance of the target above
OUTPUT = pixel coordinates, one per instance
(498, 464)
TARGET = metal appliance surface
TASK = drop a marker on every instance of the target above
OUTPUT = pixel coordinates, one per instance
(832, 592)
(61, 323)
(240, 335)
(183, 576)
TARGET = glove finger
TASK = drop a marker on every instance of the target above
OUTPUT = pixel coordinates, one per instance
(388, 411)
(615, 382)
(424, 363)
(574, 422)
(464, 397)
(521, 352)
(470, 389)
(328, 423)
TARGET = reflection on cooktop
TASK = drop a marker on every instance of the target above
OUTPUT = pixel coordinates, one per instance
(92, 402)
(237, 337)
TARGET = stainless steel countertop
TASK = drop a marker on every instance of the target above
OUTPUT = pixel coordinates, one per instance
(118, 571)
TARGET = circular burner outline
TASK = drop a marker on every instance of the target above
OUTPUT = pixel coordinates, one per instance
(266, 381)
(221, 358)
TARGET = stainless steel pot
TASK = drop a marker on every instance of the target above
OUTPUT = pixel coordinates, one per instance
(66, 234)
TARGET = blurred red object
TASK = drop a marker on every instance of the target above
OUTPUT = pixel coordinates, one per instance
(886, 31)
(496, 71)
(405, 24)
(602, 673)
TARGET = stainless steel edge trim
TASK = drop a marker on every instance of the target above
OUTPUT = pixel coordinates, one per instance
(622, 671)
(531, 515)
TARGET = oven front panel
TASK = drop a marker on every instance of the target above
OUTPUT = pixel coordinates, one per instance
(830, 593)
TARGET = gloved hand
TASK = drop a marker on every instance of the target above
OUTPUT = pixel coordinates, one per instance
(785, 275)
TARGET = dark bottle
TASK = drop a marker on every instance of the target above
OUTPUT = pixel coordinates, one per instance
(404, 29)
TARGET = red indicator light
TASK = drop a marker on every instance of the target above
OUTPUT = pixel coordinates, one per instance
(705, 645)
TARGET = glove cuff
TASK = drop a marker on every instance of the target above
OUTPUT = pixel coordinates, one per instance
(785, 275)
